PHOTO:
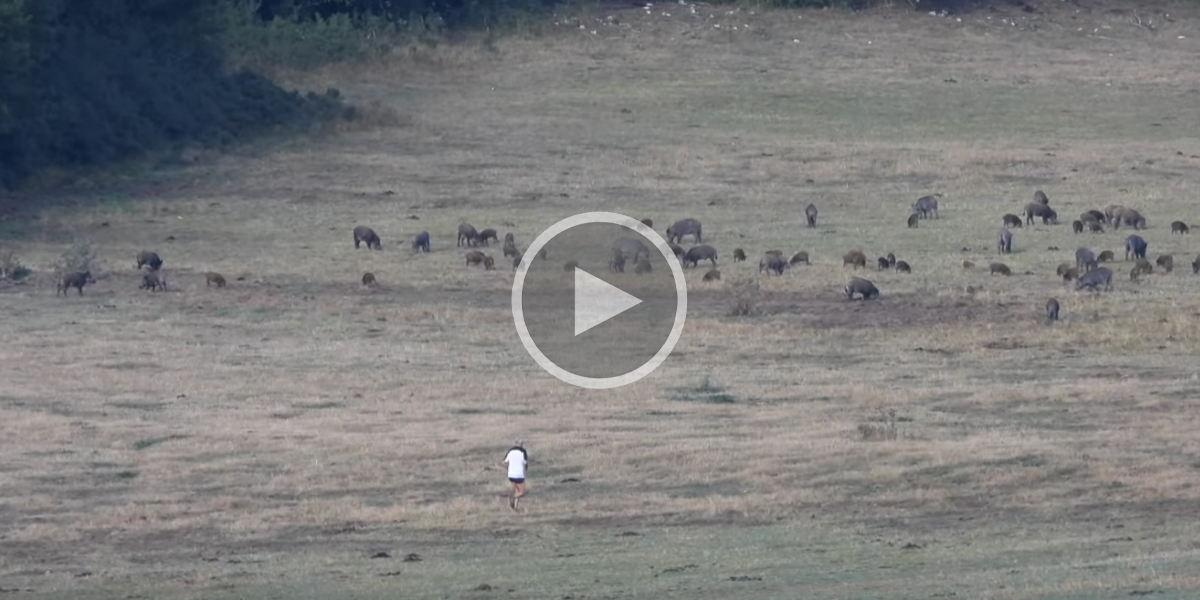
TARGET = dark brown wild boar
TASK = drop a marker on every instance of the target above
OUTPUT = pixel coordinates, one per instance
(856, 258)
(366, 235)
(74, 280)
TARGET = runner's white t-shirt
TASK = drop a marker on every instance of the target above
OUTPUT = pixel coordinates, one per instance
(516, 463)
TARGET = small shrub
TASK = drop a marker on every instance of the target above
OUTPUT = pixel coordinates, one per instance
(81, 256)
(706, 392)
(12, 269)
(886, 430)
(747, 298)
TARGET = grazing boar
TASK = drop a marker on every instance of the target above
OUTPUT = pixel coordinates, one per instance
(696, 254)
(912, 220)
(1070, 273)
(677, 249)
(739, 255)
(1105, 256)
(616, 261)
(1094, 279)
(1004, 241)
(925, 206)
(810, 215)
(642, 264)
(1062, 268)
(1000, 268)
(712, 275)
(213, 278)
(421, 242)
(1165, 262)
(476, 257)
(1035, 209)
(1085, 260)
(1143, 267)
(891, 259)
(1093, 215)
(74, 280)
(1040, 197)
(368, 279)
(366, 235)
(684, 227)
(861, 287)
(883, 263)
(772, 262)
(797, 258)
(1135, 246)
(510, 248)
(856, 258)
(967, 265)
(487, 234)
(154, 281)
(1178, 227)
(146, 257)
(1110, 213)
(902, 267)
(467, 236)
(1010, 220)
(1077, 226)
(631, 248)
(1051, 311)
(1095, 226)
(509, 238)
(1128, 216)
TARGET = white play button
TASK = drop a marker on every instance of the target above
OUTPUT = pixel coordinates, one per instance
(597, 301)
(588, 322)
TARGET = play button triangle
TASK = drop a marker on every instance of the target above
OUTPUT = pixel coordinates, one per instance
(597, 301)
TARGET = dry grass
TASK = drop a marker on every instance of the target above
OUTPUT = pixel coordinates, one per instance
(265, 439)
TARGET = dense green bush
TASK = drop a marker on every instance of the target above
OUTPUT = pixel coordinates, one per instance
(84, 82)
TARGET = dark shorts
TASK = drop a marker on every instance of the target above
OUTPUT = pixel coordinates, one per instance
(517, 479)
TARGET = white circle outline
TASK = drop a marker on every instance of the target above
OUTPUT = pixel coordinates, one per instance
(600, 383)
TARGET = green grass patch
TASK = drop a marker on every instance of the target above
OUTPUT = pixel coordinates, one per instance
(318, 405)
(492, 411)
(128, 366)
(706, 392)
(144, 443)
(147, 406)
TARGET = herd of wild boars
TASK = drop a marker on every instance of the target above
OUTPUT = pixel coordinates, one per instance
(1086, 273)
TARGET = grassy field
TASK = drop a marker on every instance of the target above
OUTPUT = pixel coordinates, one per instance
(267, 440)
